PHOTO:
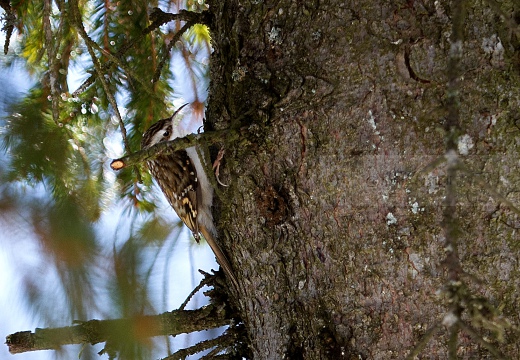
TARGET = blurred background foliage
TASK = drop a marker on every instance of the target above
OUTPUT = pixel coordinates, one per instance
(57, 192)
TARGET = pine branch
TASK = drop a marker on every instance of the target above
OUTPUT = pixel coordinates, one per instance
(76, 17)
(158, 18)
(95, 331)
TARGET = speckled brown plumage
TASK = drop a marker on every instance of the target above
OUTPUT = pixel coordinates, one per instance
(182, 179)
(180, 191)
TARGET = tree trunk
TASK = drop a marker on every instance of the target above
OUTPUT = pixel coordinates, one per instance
(333, 220)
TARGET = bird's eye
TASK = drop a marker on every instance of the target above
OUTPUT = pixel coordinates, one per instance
(166, 133)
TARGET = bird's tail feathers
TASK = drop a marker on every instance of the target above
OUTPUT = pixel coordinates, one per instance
(219, 254)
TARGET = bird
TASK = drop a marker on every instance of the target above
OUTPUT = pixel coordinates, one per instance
(182, 178)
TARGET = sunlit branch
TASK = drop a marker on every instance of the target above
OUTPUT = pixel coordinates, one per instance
(96, 331)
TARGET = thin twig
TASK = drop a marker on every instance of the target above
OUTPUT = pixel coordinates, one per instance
(51, 44)
(481, 183)
(424, 341)
(202, 283)
(494, 193)
(221, 342)
(432, 165)
(452, 341)
(117, 61)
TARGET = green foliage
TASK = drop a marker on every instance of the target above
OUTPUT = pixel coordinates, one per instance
(37, 147)
(61, 156)
(31, 15)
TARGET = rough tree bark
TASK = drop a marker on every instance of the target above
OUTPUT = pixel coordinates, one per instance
(333, 218)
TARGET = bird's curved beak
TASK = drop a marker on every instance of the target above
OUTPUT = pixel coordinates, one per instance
(177, 111)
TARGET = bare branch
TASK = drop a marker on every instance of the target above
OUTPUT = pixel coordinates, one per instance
(160, 18)
(221, 342)
(205, 281)
(96, 331)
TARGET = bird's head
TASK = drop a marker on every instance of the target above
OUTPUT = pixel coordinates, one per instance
(162, 130)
